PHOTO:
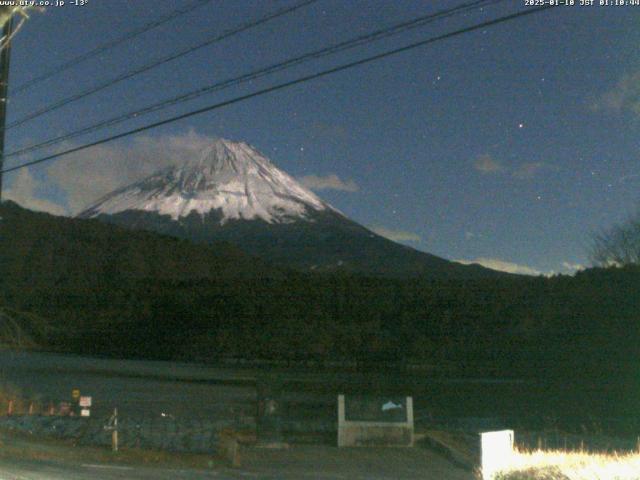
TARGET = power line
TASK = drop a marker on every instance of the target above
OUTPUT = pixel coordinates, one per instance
(330, 50)
(109, 45)
(284, 85)
(159, 62)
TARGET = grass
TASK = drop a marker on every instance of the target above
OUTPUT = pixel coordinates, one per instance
(563, 465)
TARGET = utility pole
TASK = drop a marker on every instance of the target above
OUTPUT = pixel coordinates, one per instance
(5, 57)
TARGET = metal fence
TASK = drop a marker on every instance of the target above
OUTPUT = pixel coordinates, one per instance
(197, 435)
(309, 418)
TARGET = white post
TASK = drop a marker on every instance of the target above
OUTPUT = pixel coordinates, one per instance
(341, 420)
(410, 418)
(496, 452)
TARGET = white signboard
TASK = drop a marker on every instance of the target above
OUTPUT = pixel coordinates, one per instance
(497, 450)
(85, 402)
(85, 412)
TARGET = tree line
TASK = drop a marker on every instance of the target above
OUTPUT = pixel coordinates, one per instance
(109, 291)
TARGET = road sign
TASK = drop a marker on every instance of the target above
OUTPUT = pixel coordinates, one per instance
(85, 402)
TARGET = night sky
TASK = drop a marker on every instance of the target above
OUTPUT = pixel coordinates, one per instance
(508, 145)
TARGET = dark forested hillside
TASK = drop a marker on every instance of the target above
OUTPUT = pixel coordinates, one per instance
(44, 250)
(327, 243)
(111, 291)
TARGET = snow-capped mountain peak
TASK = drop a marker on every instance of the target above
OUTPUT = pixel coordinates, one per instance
(231, 178)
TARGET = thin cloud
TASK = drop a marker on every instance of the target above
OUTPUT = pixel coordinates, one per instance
(24, 191)
(486, 164)
(86, 176)
(89, 175)
(530, 170)
(397, 235)
(502, 266)
(329, 131)
(572, 267)
(569, 268)
(623, 97)
(328, 182)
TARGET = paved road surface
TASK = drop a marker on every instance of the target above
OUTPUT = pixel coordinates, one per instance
(297, 463)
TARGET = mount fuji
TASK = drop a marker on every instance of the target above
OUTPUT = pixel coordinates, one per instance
(233, 193)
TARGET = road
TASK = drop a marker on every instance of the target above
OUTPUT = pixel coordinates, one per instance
(297, 463)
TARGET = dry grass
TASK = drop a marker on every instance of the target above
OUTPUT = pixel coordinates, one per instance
(562, 465)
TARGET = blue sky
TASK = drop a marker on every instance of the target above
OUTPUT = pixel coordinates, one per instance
(506, 146)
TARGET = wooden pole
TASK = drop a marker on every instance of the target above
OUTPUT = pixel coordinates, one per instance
(114, 433)
(5, 56)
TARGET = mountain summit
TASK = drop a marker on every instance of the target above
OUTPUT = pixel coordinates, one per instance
(233, 193)
(231, 178)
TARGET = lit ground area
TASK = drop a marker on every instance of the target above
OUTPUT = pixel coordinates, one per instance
(571, 466)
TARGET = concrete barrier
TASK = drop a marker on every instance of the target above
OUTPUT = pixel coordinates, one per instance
(375, 425)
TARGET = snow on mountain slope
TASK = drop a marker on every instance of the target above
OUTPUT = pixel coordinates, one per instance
(234, 194)
(232, 178)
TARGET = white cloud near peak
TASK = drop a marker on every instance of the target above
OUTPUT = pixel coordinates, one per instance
(87, 176)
